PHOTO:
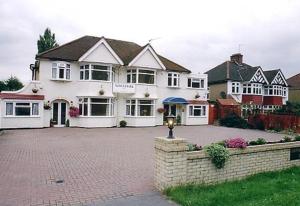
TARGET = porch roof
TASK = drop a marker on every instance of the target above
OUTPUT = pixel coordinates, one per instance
(21, 96)
(175, 100)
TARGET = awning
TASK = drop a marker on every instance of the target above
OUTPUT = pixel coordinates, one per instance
(21, 96)
(175, 100)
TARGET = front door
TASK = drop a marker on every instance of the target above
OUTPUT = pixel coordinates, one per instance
(59, 113)
(170, 109)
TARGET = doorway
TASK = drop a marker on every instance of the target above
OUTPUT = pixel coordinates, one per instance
(59, 113)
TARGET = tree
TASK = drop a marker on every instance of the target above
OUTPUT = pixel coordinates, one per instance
(13, 84)
(47, 41)
(2, 86)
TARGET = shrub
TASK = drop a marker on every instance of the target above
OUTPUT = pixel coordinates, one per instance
(123, 123)
(178, 119)
(218, 154)
(253, 142)
(74, 111)
(261, 141)
(236, 143)
(222, 143)
(286, 139)
(194, 147)
(297, 138)
(233, 120)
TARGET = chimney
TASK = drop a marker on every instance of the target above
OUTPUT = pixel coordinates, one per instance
(237, 57)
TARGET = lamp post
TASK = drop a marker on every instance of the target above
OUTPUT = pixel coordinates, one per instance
(170, 123)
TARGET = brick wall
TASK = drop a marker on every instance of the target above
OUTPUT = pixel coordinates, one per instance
(174, 165)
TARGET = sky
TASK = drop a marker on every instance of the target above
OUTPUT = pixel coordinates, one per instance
(198, 34)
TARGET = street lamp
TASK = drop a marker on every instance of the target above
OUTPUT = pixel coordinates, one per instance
(170, 123)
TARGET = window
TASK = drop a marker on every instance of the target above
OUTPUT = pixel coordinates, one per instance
(253, 88)
(95, 72)
(284, 92)
(235, 88)
(141, 76)
(95, 107)
(22, 109)
(195, 83)
(61, 71)
(173, 79)
(275, 90)
(197, 111)
(139, 108)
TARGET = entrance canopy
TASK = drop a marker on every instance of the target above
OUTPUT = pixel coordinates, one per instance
(175, 100)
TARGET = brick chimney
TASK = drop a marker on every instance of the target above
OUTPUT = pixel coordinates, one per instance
(237, 57)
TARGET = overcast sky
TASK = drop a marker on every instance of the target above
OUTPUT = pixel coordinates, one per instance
(196, 34)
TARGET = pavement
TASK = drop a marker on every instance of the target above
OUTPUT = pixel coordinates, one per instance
(77, 166)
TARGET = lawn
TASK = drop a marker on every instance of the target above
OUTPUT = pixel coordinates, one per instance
(266, 189)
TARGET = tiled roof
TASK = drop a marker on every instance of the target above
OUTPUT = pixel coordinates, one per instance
(197, 102)
(21, 96)
(294, 81)
(271, 74)
(227, 102)
(125, 50)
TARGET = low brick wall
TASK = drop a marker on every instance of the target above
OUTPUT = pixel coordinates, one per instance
(175, 165)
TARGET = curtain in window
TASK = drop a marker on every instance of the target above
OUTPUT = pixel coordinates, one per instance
(35, 108)
(9, 108)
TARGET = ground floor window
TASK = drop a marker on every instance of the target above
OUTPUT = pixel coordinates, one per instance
(96, 107)
(135, 107)
(270, 108)
(197, 111)
(22, 109)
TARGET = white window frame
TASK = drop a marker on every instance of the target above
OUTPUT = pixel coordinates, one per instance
(255, 88)
(89, 67)
(55, 71)
(110, 104)
(30, 106)
(202, 108)
(173, 76)
(201, 82)
(275, 90)
(137, 72)
(137, 105)
(235, 87)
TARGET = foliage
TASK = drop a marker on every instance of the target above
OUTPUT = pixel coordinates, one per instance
(178, 119)
(291, 108)
(297, 138)
(223, 95)
(74, 111)
(11, 84)
(236, 143)
(218, 154)
(123, 123)
(47, 41)
(47, 105)
(259, 141)
(233, 120)
(194, 147)
(258, 123)
(279, 188)
(286, 139)
(222, 143)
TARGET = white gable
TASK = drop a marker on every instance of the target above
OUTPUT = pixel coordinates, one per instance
(147, 58)
(279, 79)
(259, 77)
(101, 54)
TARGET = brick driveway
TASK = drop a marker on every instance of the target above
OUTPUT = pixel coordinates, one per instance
(95, 164)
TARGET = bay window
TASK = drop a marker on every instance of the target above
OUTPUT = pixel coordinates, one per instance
(22, 108)
(252, 88)
(197, 111)
(173, 79)
(275, 90)
(61, 71)
(141, 76)
(96, 107)
(235, 87)
(140, 108)
(96, 72)
(196, 83)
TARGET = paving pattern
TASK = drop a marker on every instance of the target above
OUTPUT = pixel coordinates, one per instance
(77, 166)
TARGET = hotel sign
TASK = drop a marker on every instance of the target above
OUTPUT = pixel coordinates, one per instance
(123, 88)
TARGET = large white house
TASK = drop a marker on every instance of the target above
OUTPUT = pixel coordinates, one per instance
(108, 81)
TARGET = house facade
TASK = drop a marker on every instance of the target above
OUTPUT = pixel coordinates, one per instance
(294, 88)
(250, 86)
(105, 81)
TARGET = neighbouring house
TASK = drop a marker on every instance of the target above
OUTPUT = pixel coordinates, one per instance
(252, 87)
(98, 82)
(294, 88)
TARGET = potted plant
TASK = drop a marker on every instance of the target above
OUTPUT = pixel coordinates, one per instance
(74, 111)
(35, 90)
(147, 94)
(123, 123)
(52, 122)
(47, 105)
(101, 92)
(197, 96)
(161, 110)
(68, 123)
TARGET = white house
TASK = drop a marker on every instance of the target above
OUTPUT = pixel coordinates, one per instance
(108, 81)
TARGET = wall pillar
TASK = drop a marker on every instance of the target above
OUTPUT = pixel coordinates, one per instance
(170, 162)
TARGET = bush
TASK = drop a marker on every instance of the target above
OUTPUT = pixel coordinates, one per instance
(286, 139)
(259, 141)
(297, 138)
(218, 154)
(222, 143)
(233, 120)
(123, 123)
(194, 147)
(236, 143)
(253, 142)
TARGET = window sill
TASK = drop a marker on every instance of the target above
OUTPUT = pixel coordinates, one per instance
(173, 87)
(82, 80)
(197, 116)
(96, 116)
(61, 80)
(21, 116)
(139, 116)
(196, 88)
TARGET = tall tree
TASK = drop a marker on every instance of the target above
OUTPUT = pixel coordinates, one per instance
(3, 86)
(47, 41)
(13, 84)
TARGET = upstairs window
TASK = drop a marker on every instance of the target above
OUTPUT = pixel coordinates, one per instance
(61, 71)
(235, 88)
(141, 76)
(196, 83)
(173, 79)
(253, 88)
(95, 72)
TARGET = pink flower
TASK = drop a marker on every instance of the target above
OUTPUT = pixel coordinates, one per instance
(74, 111)
(236, 143)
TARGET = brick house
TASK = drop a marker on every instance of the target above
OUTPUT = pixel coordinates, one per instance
(294, 88)
(250, 86)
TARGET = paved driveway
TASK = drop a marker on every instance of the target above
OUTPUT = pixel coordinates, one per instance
(94, 164)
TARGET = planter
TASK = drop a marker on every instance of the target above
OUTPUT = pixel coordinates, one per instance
(101, 92)
(147, 94)
(35, 90)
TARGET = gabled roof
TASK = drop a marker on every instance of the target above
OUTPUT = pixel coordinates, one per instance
(270, 75)
(294, 81)
(125, 50)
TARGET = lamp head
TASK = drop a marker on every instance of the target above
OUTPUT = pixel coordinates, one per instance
(171, 121)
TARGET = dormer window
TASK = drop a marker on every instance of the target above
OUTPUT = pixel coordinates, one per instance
(95, 72)
(61, 71)
(142, 76)
(196, 83)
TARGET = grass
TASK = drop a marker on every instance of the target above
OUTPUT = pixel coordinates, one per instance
(266, 189)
